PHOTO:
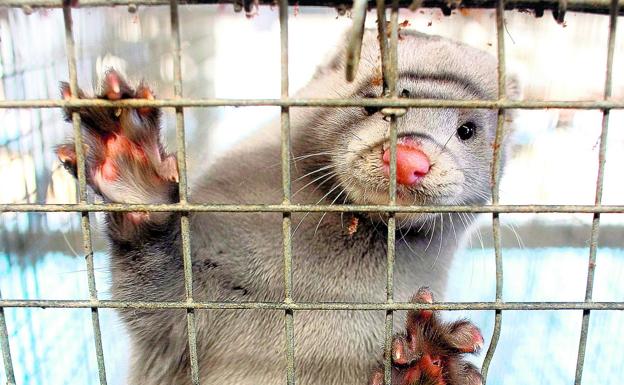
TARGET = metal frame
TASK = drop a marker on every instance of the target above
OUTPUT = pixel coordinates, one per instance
(393, 108)
(560, 7)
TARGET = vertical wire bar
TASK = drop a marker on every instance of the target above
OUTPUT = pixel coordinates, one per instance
(183, 190)
(383, 45)
(496, 164)
(593, 245)
(6, 349)
(389, 62)
(286, 185)
(82, 192)
(356, 33)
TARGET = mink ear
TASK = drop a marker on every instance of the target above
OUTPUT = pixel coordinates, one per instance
(513, 88)
(337, 60)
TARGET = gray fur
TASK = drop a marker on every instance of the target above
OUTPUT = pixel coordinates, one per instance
(238, 257)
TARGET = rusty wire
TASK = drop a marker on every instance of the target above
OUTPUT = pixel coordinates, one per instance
(82, 192)
(298, 208)
(289, 317)
(309, 306)
(495, 181)
(183, 193)
(293, 102)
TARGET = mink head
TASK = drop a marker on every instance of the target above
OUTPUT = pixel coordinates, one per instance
(444, 155)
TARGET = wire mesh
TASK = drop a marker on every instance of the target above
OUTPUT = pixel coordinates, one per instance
(393, 108)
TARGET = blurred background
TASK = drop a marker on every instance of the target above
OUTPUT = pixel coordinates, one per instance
(225, 55)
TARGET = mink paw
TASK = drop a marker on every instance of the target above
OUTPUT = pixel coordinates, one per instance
(125, 159)
(431, 351)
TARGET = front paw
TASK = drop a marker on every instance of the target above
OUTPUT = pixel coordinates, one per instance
(431, 351)
(125, 159)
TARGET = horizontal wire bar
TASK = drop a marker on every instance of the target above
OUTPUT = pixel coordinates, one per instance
(270, 208)
(320, 102)
(588, 6)
(296, 306)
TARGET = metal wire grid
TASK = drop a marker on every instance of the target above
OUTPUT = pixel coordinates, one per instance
(393, 108)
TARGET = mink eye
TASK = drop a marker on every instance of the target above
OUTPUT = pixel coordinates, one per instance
(466, 130)
(405, 93)
(371, 110)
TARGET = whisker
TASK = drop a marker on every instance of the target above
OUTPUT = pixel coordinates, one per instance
(478, 231)
(511, 227)
(325, 213)
(313, 172)
(432, 233)
(453, 227)
(319, 201)
(326, 175)
(442, 149)
(441, 236)
(461, 218)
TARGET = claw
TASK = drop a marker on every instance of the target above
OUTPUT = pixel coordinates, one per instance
(138, 217)
(169, 169)
(466, 337)
(66, 92)
(423, 295)
(417, 318)
(112, 86)
(144, 92)
(399, 351)
(377, 378)
(67, 156)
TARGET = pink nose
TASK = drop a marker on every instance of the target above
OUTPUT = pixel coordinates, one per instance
(412, 164)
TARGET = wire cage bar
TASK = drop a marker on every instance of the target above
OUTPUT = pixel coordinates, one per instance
(82, 193)
(298, 208)
(6, 348)
(495, 181)
(289, 317)
(595, 229)
(308, 306)
(183, 192)
(392, 107)
(290, 102)
(388, 50)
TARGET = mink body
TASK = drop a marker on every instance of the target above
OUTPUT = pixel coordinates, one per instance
(336, 158)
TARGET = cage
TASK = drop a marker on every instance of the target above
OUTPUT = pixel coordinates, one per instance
(36, 204)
